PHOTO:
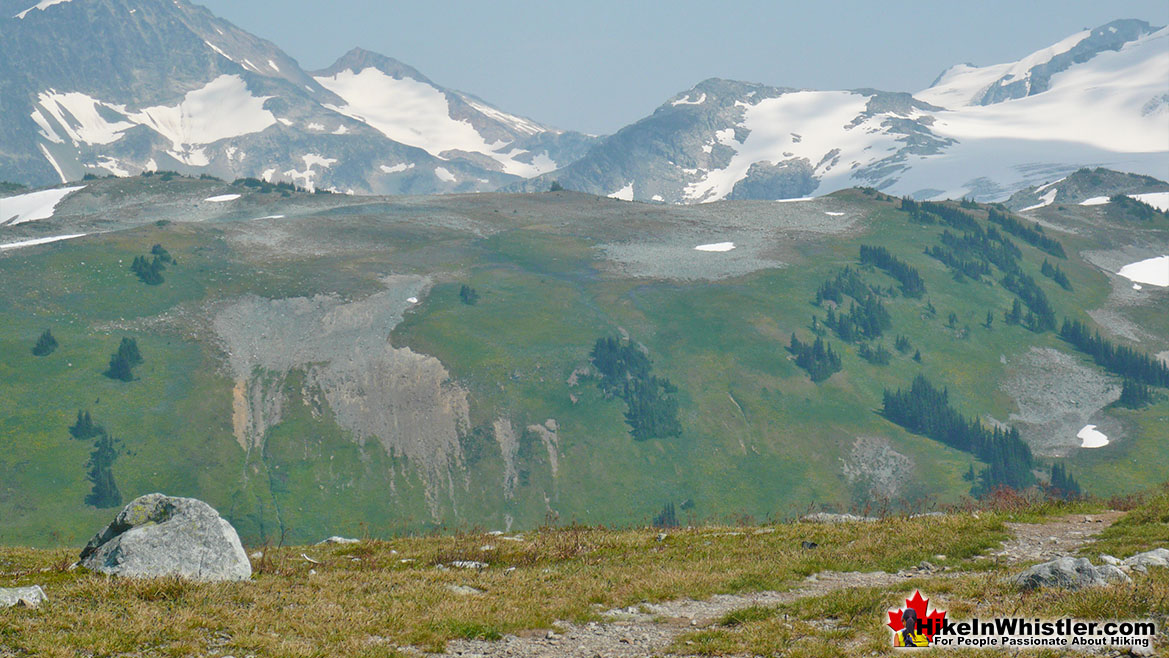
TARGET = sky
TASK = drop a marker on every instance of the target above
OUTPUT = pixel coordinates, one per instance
(599, 65)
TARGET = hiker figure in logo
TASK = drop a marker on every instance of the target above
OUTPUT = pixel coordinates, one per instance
(909, 636)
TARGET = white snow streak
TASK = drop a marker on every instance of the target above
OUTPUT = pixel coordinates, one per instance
(43, 5)
(36, 241)
(33, 205)
(716, 246)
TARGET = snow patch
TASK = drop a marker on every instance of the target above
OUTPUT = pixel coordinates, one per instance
(1151, 271)
(222, 198)
(1095, 201)
(268, 217)
(624, 194)
(1091, 437)
(1158, 200)
(833, 214)
(716, 246)
(1044, 200)
(803, 198)
(396, 169)
(36, 241)
(43, 5)
(32, 206)
(444, 174)
(687, 101)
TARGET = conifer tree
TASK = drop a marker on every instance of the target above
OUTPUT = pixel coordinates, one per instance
(46, 344)
(100, 473)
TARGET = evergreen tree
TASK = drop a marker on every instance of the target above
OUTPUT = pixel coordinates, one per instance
(129, 349)
(667, 518)
(989, 319)
(46, 344)
(100, 473)
(84, 428)
(468, 295)
(1062, 484)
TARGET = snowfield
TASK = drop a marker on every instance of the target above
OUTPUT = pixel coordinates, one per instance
(222, 109)
(1151, 271)
(32, 206)
(417, 114)
(1158, 200)
(222, 198)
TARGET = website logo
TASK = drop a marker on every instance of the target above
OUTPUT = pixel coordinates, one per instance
(915, 625)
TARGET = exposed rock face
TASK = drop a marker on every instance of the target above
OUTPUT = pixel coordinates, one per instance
(395, 397)
(25, 596)
(158, 535)
(1069, 573)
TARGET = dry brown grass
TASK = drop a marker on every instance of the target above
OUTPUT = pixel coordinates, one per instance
(369, 598)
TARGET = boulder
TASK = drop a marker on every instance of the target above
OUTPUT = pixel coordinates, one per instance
(29, 597)
(827, 517)
(339, 540)
(158, 535)
(1069, 573)
(1158, 557)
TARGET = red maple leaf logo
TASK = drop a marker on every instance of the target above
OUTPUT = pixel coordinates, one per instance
(919, 606)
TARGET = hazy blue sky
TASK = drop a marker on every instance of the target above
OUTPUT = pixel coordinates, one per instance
(600, 64)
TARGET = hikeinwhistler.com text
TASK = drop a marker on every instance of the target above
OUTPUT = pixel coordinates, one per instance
(1020, 632)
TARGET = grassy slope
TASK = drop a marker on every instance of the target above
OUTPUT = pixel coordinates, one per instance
(760, 439)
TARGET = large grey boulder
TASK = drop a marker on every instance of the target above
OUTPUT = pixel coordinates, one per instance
(26, 596)
(1158, 557)
(158, 535)
(1069, 573)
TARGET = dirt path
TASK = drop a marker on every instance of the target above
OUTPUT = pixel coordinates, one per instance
(1055, 538)
(648, 629)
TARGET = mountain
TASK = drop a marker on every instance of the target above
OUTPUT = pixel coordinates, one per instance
(1088, 187)
(1097, 98)
(319, 364)
(124, 86)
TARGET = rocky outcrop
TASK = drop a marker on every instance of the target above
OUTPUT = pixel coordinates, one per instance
(158, 535)
(1069, 573)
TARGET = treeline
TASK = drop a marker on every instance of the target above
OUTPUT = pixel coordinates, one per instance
(1032, 235)
(1118, 359)
(910, 279)
(651, 402)
(817, 358)
(924, 409)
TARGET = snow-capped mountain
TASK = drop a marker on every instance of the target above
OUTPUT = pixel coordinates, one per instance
(1097, 98)
(123, 86)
